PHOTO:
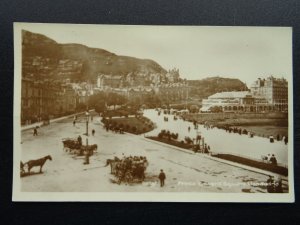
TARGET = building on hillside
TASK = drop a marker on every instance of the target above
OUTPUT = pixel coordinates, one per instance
(139, 92)
(109, 81)
(172, 92)
(274, 90)
(173, 75)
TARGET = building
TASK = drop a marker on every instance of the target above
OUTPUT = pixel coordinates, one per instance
(172, 92)
(229, 102)
(266, 95)
(173, 75)
(45, 98)
(109, 81)
(274, 90)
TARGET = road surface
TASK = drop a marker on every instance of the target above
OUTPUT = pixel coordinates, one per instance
(67, 173)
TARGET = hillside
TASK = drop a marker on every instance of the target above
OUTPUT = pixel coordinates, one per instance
(203, 88)
(44, 57)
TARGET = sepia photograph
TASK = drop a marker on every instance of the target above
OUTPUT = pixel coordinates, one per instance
(152, 113)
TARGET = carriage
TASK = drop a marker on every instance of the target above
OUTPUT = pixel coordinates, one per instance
(129, 169)
(72, 145)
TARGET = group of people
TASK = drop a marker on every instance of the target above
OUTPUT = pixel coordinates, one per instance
(284, 138)
(116, 128)
(131, 167)
(205, 149)
(271, 159)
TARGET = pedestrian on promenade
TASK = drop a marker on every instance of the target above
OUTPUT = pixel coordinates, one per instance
(74, 122)
(270, 185)
(205, 148)
(278, 185)
(268, 157)
(79, 139)
(162, 177)
(189, 128)
(285, 140)
(35, 133)
(273, 160)
(93, 132)
(278, 137)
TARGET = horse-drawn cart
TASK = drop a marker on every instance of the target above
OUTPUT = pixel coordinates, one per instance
(73, 145)
(129, 169)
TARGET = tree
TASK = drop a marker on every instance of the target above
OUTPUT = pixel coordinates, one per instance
(194, 109)
(100, 106)
(94, 99)
(151, 100)
(80, 107)
(114, 99)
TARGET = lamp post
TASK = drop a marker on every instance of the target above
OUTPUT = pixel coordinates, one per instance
(86, 152)
(87, 123)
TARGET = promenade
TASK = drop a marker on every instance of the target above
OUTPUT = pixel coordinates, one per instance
(221, 141)
(185, 172)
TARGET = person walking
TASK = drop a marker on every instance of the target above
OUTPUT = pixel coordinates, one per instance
(162, 177)
(285, 140)
(79, 139)
(278, 137)
(270, 184)
(74, 122)
(93, 132)
(35, 132)
(278, 185)
(273, 160)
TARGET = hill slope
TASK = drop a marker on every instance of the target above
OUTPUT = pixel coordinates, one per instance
(45, 57)
(208, 86)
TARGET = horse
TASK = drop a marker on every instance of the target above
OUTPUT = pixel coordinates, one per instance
(113, 164)
(92, 148)
(38, 162)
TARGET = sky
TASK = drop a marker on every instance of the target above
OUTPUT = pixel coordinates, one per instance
(246, 53)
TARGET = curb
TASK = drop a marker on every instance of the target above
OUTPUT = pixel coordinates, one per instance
(28, 127)
(234, 164)
(249, 168)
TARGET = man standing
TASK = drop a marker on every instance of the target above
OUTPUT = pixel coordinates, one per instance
(273, 160)
(35, 132)
(270, 183)
(162, 177)
(79, 139)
